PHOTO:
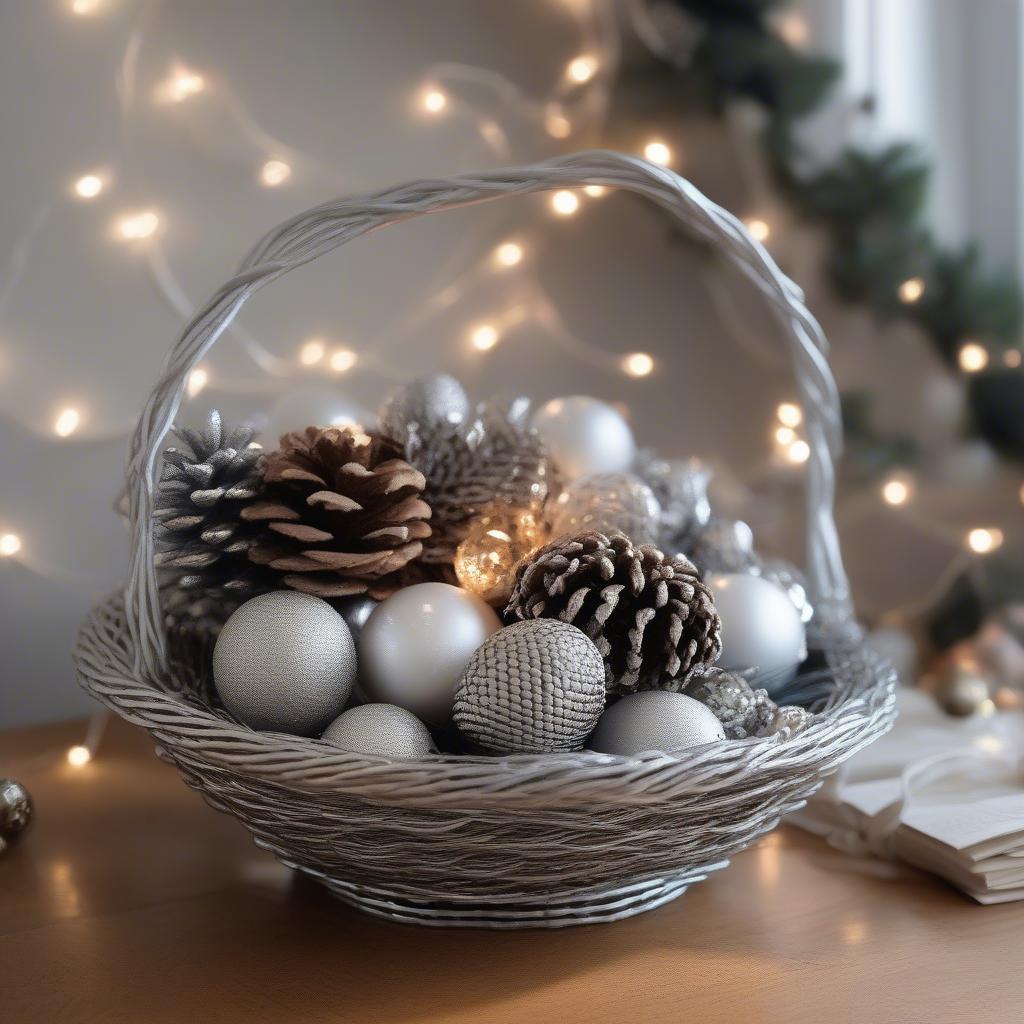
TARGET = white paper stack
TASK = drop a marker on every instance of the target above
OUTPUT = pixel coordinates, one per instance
(941, 793)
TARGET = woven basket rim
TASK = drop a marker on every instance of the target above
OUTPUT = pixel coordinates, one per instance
(103, 658)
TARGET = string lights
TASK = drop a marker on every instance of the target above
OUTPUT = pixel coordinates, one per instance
(197, 381)
(274, 173)
(896, 491)
(911, 290)
(79, 756)
(637, 364)
(136, 226)
(581, 69)
(983, 541)
(182, 84)
(89, 186)
(10, 545)
(565, 203)
(434, 100)
(312, 352)
(342, 360)
(484, 337)
(658, 153)
(759, 229)
(67, 422)
(972, 357)
(508, 254)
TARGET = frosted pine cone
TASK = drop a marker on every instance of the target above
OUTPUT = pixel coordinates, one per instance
(651, 617)
(468, 466)
(206, 482)
(341, 513)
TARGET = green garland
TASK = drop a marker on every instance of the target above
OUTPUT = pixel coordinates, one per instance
(869, 204)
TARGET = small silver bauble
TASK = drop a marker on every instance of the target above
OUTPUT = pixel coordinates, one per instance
(654, 720)
(416, 644)
(962, 689)
(285, 661)
(426, 402)
(791, 580)
(742, 710)
(584, 436)
(761, 629)
(355, 611)
(380, 730)
(607, 502)
(310, 407)
(15, 811)
(534, 687)
(681, 487)
(724, 545)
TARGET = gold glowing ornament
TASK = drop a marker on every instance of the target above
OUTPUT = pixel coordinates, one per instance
(501, 538)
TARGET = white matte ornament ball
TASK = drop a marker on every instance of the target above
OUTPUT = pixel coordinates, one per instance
(585, 436)
(380, 730)
(416, 643)
(654, 720)
(761, 628)
(285, 661)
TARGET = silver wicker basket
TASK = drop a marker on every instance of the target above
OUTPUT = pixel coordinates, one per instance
(497, 842)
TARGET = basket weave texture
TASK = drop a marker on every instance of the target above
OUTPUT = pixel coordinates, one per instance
(502, 842)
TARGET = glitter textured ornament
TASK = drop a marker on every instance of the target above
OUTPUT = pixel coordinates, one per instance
(496, 543)
(742, 710)
(15, 811)
(724, 545)
(654, 720)
(585, 436)
(285, 661)
(651, 617)
(681, 488)
(424, 404)
(534, 687)
(380, 730)
(607, 503)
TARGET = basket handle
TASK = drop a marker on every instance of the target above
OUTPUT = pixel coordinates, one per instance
(308, 235)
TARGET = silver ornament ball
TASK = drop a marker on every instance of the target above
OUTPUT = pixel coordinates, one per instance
(654, 720)
(416, 643)
(761, 629)
(681, 487)
(585, 436)
(534, 687)
(723, 545)
(963, 690)
(608, 502)
(285, 661)
(15, 810)
(380, 730)
(426, 402)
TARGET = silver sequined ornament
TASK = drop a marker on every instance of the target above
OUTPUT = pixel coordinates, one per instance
(425, 403)
(15, 811)
(742, 710)
(380, 730)
(681, 488)
(608, 502)
(723, 545)
(534, 687)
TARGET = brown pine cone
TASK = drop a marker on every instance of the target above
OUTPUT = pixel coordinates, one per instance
(341, 512)
(651, 617)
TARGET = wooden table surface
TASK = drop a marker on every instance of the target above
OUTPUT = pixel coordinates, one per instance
(130, 900)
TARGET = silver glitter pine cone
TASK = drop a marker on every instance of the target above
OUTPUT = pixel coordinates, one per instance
(206, 482)
(534, 687)
(652, 618)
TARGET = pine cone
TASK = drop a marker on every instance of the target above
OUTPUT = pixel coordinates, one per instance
(651, 618)
(493, 456)
(205, 485)
(341, 513)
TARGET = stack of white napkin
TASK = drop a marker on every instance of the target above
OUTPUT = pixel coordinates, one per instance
(944, 794)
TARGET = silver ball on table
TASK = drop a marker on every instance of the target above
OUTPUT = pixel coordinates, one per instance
(963, 690)
(15, 811)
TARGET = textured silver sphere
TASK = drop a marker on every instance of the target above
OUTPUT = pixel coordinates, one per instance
(608, 502)
(681, 487)
(426, 402)
(654, 720)
(285, 661)
(761, 629)
(15, 810)
(380, 730)
(534, 687)
(415, 645)
(585, 436)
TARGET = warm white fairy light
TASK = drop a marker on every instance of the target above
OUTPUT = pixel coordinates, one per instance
(972, 357)
(911, 290)
(484, 337)
(565, 203)
(342, 360)
(1012, 358)
(508, 254)
(10, 545)
(312, 352)
(595, 191)
(637, 364)
(759, 229)
(197, 380)
(581, 69)
(88, 186)
(1021, 494)
(135, 226)
(556, 124)
(789, 414)
(67, 422)
(785, 436)
(896, 491)
(275, 172)
(658, 153)
(79, 756)
(793, 28)
(434, 100)
(798, 451)
(84, 7)
(983, 540)
(182, 84)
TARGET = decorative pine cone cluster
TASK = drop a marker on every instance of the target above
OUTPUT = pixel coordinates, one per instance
(651, 617)
(341, 513)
